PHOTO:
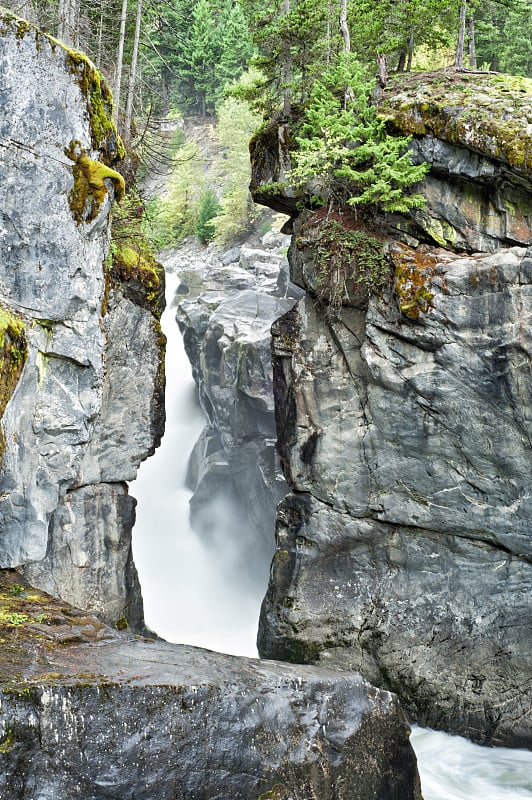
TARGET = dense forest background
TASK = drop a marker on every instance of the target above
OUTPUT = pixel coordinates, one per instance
(234, 61)
(182, 54)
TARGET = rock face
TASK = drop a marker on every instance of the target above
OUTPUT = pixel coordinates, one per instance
(96, 715)
(228, 304)
(85, 410)
(404, 548)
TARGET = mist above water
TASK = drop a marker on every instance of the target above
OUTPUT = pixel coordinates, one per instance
(192, 593)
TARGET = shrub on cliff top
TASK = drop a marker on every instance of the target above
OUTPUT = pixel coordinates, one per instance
(344, 150)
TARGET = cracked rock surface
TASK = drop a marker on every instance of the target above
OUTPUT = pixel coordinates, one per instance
(83, 414)
(87, 712)
(404, 430)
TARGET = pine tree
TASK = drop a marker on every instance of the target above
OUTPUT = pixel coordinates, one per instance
(236, 47)
(209, 207)
(344, 152)
(204, 54)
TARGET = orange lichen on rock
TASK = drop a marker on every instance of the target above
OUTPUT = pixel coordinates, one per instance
(414, 270)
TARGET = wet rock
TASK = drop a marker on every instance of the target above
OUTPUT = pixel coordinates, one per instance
(225, 317)
(99, 715)
(404, 431)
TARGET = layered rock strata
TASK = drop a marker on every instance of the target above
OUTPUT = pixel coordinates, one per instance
(97, 715)
(86, 408)
(404, 425)
(228, 302)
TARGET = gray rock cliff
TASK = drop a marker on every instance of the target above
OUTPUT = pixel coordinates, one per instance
(228, 302)
(84, 710)
(404, 424)
(84, 411)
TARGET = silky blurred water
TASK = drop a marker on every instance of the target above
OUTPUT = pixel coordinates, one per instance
(188, 595)
(452, 768)
(191, 596)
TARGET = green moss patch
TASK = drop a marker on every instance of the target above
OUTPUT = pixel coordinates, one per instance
(32, 626)
(132, 261)
(99, 106)
(486, 112)
(90, 188)
(13, 353)
(349, 261)
(93, 85)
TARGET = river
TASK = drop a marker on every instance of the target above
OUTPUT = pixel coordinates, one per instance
(188, 597)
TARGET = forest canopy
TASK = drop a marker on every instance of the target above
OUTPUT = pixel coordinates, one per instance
(183, 54)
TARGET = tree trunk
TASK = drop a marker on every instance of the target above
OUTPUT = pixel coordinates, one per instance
(120, 59)
(410, 51)
(100, 35)
(133, 72)
(287, 67)
(401, 64)
(343, 27)
(471, 43)
(63, 14)
(382, 70)
(459, 60)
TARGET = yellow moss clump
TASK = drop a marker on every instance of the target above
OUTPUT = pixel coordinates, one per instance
(132, 265)
(13, 353)
(131, 259)
(90, 190)
(99, 106)
(414, 270)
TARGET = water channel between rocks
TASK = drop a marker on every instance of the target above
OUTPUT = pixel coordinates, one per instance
(188, 597)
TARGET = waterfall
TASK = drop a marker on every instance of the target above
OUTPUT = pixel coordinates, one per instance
(188, 598)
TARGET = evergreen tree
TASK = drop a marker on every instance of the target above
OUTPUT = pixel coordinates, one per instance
(209, 207)
(236, 46)
(344, 152)
(205, 50)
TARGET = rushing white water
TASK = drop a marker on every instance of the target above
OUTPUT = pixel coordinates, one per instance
(189, 598)
(187, 595)
(452, 768)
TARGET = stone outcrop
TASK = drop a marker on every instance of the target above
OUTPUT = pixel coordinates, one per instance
(404, 421)
(85, 410)
(228, 302)
(98, 715)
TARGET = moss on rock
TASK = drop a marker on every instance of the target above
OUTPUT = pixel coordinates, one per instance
(414, 270)
(13, 353)
(90, 189)
(486, 112)
(99, 106)
(132, 263)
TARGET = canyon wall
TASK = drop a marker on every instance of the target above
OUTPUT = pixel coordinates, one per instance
(85, 410)
(404, 422)
(88, 709)
(227, 304)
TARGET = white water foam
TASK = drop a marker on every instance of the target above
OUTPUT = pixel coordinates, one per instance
(187, 596)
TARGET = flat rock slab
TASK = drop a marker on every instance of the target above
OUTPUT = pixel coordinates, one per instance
(88, 712)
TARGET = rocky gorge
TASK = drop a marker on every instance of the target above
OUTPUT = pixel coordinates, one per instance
(89, 706)
(403, 419)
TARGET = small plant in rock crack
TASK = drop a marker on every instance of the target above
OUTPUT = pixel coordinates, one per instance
(348, 263)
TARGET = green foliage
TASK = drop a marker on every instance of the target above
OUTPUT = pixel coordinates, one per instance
(236, 123)
(132, 257)
(344, 151)
(173, 216)
(236, 48)
(348, 263)
(209, 207)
